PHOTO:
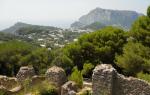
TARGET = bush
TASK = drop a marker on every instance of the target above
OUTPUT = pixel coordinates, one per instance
(76, 76)
(87, 70)
(48, 91)
(143, 76)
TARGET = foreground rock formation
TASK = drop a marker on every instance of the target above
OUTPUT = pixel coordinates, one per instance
(69, 88)
(25, 73)
(106, 81)
(9, 85)
(56, 76)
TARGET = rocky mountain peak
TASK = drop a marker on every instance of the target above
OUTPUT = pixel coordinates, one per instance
(119, 18)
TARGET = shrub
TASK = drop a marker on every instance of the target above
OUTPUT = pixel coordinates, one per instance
(48, 91)
(76, 76)
(26, 85)
(143, 76)
(87, 70)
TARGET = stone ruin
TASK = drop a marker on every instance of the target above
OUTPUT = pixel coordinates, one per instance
(8, 82)
(25, 73)
(106, 81)
(9, 85)
(69, 88)
(56, 76)
(12, 85)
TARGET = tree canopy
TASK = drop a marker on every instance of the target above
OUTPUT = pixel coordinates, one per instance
(96, 47)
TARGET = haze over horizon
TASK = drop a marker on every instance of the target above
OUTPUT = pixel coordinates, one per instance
(59, 13)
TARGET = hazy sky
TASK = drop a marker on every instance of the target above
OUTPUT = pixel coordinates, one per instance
(59, 13)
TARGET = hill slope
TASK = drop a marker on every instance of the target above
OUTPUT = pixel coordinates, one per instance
(19, 26)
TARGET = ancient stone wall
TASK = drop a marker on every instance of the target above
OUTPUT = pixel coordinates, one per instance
(106, 81)
(25, 73)
(130, 86)
(8, 82)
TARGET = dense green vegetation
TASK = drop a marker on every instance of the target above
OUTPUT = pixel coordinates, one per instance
(87, 70)
(77, 77)
(127, 51)
(96, 47)
(135, 58)
(14, 54)
(136, 54)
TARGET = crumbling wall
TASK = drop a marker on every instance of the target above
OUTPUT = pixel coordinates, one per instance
(106, 81)
(130, 86)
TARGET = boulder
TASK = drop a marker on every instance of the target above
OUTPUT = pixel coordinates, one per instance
(8, 82)
(69, 88)
(25, 73)
(56, 76)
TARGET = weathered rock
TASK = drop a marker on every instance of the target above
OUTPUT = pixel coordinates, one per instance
(102, 80)
(8, 82)
(68, 88)
(56, 76)
(25, 73)
(85, 91)
(4, 91)
(72, 92)
(106, 81)
(130, 86)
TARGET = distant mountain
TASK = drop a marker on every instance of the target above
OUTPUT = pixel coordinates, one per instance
(107, 17)
(16, 28)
